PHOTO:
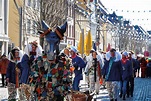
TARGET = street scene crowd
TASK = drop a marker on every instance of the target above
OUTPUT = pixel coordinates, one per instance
(101, 51)
(39, 79)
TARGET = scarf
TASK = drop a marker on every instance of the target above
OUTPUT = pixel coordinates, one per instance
(110, 65)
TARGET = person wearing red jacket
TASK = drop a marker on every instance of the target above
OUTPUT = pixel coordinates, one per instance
(3, 68)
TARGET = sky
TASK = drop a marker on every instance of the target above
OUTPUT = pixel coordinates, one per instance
(137, 11)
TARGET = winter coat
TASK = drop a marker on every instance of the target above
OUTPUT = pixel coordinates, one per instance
(11, 71)
(3, 65)
(78, 63)
(149, 65)
(115, 73)
(25, 67)
(134, 66)
(126, 67)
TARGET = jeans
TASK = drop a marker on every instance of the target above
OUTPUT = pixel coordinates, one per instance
(123, 87)
(75, 85)
(130, 86)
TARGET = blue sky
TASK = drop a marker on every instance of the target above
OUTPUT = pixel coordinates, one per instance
(137, 11)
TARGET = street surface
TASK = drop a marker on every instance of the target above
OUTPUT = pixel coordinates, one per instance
(142, 91)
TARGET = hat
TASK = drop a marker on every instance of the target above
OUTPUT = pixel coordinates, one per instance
(34, 43)
(72, 48)
(125, 53)
(131, 52)
(60, 30)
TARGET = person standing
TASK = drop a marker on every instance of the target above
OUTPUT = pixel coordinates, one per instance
(32, 51)
(89, 59)
(126, 65)
(130, 84)
(93, 69)
(143, 65)
(78, 64)
(3, 67)
(138, 60)
(113, 73)
(12, 74)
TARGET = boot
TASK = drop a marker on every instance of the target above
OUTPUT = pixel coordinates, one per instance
(124, 97)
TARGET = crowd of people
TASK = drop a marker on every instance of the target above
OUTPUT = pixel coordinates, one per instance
(116, 70)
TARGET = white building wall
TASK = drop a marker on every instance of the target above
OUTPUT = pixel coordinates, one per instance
(4, 39)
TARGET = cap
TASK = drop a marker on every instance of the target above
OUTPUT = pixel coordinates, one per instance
(125, 53)
(72, 48)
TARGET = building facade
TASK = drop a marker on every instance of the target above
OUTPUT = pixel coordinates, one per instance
(31, 16)
(4, 39)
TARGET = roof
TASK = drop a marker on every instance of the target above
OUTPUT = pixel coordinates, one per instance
(113, 18)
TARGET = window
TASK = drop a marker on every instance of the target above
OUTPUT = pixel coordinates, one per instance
(34, 27)
(29, 2)
(0, 8)
(34, 4)
(38, 5)
(28, 26)
(1, 26)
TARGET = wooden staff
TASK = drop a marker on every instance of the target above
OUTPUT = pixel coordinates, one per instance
(17, 76)
(16, 71)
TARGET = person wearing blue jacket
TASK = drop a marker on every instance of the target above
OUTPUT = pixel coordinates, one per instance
(113, 73)
(11, 73)
(126, 66)
(78, 64)
(32, 51)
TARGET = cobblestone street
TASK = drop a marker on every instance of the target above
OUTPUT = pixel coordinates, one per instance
(142, 91)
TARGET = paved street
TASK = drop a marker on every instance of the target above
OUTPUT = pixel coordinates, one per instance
(142, 91)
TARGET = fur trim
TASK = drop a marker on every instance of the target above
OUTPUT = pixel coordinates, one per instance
(21, 53)
(117, 55)
(28, 49)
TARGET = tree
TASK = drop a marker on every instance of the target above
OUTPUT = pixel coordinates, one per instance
(53, 12)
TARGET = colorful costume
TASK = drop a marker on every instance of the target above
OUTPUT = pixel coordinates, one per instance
(50, 81)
